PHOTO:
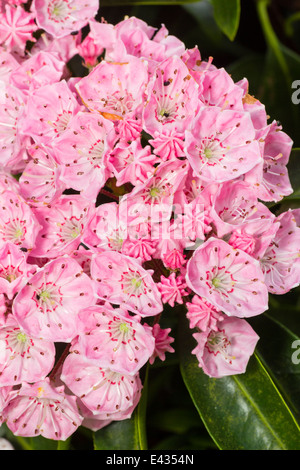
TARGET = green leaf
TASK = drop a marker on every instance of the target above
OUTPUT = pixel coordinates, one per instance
(36, 443)
(241, 412)
(227, 15)
(277, 348)
(128, 434)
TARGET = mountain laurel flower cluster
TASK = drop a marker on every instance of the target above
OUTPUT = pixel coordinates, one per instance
(139, 186)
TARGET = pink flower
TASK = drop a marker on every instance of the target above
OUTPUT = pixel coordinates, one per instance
(168, 146)
(121, 91)
(123, 281)
(172, 98)
(221, 145)
(162, 343)
(201, 314)
(106, 393)
(39, 70)
(49, 111)
(115, 339)
(172, 289)
(40, 182)
(42, 409)
(281, 260)
(235, 206)
(48, 305)
(62, 226)
(140, 248)
(270, 177)
(106, 230)
(152, 200)
(61, 17)
(218, 89)
(14, 270)
(226, 349)
(18, 223)
(82, 152)
(242, 241)
(64, 48)
(228, 278)
(90, 51)
(174, 259)
(131, 163)
(16, 28)
(13, 143)
(22, 357)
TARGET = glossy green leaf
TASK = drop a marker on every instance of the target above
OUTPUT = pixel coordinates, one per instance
(128, 434)
(279, 350)
(241, 412)
(227, 15)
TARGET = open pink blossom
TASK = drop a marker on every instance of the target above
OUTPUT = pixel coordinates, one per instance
(106, 230)
(105, 392)
(14, 269)
(114, 338)
(226, 349)
(42, 409)
(13, 143)
(121, 91)
(172, 98)
(270, 177)
(62, 226)
(152, 200)
(235, 206)
(38, 70)
(221, 144)
(61, 17)
(48, 305)
(40, 182)
(22, 357)
(228, 278)
(218, 89)
(49, 111)
(18, 224)
(281, 259)
(8, 64)
(123, 281)
(82, 152)
(64, 48)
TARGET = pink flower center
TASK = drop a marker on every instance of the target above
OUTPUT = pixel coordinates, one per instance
(119, 102)
(61, 122)
(218, 343)
(211, 151)
(14, 231)
(59, 10)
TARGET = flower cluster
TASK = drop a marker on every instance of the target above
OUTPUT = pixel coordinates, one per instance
(139, 185)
